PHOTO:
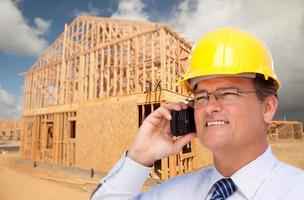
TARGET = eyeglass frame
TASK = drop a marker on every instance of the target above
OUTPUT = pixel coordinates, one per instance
(218, 97)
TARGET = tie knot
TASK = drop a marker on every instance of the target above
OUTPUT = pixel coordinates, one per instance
(223, 189)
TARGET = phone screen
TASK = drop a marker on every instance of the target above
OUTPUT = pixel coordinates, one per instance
(182, 122)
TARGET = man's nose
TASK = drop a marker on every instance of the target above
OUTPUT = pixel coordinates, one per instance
(213, 104)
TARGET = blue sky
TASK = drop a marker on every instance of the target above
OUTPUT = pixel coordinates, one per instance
(29, 26)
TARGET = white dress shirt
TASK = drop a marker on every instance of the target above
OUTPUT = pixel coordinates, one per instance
(263, 178)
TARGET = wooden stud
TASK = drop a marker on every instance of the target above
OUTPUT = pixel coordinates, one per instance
(108, 70)
(115, 71)
(102, 70)
(152, 61)
(121, 68)
(164, 168)
(144, 63)
(128, 65)
(92, 71)
(136, 82)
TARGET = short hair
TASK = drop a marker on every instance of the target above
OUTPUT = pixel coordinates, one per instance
(264, 88)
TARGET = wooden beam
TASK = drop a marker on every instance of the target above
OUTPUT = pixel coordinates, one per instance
(63, 69)
(115, 71)
(128, 66)
(136, 75)
(164, 168)
(144, 63)
(152, 62)
(92, 71)
(121, 68)
(102, 70)
(108, 70)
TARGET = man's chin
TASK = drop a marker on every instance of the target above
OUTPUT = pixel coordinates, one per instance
(214, 143)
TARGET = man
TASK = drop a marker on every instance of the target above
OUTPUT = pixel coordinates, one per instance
(235, 98)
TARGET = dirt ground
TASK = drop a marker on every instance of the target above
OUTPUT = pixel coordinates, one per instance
(289, 151)
(23, 182)
(20, 180)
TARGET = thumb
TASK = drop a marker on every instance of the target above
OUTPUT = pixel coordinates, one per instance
(182, 141)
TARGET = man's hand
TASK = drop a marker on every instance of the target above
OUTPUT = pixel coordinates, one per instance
(154, 140)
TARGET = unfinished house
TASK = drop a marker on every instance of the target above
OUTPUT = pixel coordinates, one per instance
(10, 130)
(285, 130)
(87, 94)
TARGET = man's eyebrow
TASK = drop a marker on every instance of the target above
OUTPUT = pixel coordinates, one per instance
(201, 91)
(221, 88)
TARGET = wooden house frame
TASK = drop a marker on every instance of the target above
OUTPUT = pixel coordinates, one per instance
(87, 94)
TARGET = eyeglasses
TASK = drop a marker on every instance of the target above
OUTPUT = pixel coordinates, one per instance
(226, 96)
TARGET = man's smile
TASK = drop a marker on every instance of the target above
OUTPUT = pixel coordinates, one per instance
(216, 123)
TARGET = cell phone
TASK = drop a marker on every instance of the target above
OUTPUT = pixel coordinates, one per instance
(182, 122)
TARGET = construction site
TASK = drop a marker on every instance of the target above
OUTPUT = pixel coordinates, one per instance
(87, 94)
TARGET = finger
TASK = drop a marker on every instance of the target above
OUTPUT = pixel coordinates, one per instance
(160, 113)
(166, 109)
(190, 103)
(182, 141)
(183, 105)
(164, 112)
(172, 106)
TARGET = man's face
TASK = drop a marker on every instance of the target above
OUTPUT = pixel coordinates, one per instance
(233, 124)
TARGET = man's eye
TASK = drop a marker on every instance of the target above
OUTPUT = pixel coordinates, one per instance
(204, 97)
(228, 94)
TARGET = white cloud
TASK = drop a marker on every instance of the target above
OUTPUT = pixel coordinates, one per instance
(43, 26)
(16, 36)
(90, 12)
(9, 108)
(132, 10)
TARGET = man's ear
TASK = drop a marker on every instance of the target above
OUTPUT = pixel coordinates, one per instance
(270, 107)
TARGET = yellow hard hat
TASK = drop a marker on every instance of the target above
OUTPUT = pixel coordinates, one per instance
(229, 51)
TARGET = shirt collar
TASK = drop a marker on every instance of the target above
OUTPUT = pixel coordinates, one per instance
(250, 177)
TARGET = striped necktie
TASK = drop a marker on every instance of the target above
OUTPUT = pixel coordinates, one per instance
(223, 189)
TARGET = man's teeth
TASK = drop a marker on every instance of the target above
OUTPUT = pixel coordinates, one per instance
(213, 123)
